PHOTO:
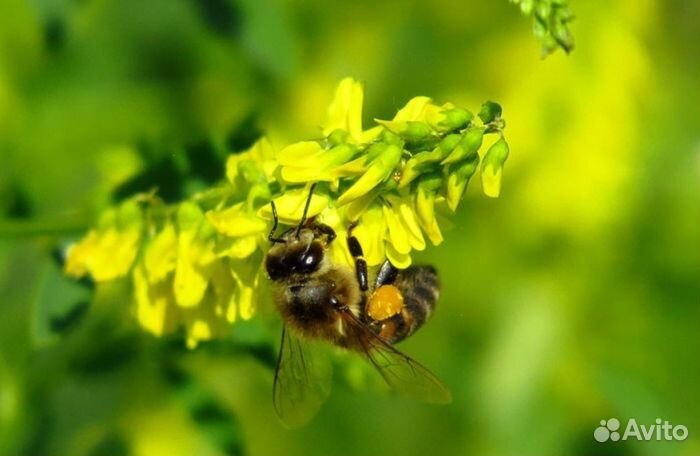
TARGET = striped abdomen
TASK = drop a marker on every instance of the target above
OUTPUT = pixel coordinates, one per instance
(420, 289)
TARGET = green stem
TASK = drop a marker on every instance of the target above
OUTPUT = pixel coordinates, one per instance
(14, 228)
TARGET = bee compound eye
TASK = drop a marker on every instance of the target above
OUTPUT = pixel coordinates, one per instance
(275, 267)
(311, 259)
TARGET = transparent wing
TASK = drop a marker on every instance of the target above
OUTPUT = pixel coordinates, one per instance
(402, 373)
(302, 381)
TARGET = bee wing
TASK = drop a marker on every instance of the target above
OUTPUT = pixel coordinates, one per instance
(402, 373)
(302, 381)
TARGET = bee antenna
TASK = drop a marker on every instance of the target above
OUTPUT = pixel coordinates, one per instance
(275, 220)
(306, 208)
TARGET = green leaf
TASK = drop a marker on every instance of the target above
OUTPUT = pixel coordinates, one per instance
(60, 304)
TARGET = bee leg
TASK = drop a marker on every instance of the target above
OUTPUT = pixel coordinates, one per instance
(386, 275)
(360, 263)
(327, 230)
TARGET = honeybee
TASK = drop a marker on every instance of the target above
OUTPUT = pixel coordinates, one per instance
(328, 302)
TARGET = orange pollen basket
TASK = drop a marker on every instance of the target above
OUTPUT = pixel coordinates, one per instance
(385, 302)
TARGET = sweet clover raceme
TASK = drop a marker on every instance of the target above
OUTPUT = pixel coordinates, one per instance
(197, 265)
(550, 23)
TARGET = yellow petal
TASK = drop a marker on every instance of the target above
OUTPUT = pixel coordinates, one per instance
(236, 221)
(191, 279)
(492, 167)
(345, 111)
(161, 254)
(371, 231)
(241, 247)
(410, 221)
(78, 255)
(246, 275)
(262, 153)
(108, 252)
(413, 111)
(400, 260)
(491, 181)
(222, 285)
(425, 209)
(302, 175)
(155, 308)
(398, 236)
(354, 167)
(202, 323)
(300, 155)
(355, 209)
(370, 135)
(380, 170)
(193, 267)
(290, 206)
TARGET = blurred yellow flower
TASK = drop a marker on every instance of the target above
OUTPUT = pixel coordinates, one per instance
(195, 255)
(155, 303)
(108, 251)
(236, 221)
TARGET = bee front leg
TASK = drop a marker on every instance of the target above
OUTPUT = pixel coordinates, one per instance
(360, 263)
(326, 230)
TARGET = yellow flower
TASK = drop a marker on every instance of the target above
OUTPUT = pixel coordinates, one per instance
(155, 303)
(371, 231)
(425, 208)
(195, 255)
(161, 254)
(262, 154)
(308, 161)
(290, 206)
(345, 111)
(236, 221)
(201, 266)
(458, 178)
(382, 160)
(246, 275)
(108, 252)
(202, 322)
(492, 168)
(413, 111)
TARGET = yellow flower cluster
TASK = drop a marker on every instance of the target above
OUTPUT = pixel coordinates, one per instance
(198, 265)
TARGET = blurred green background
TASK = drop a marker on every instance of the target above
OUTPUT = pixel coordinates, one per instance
(575, 297)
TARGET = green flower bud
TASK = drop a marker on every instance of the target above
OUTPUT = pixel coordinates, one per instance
(451, 120)
(338, 136)
(492, 167)
(411, 131)
(321, 168)
(449, 142)
(468, 146)
(490, 111)
(458, 178)
(419, 164)
(425, 206)
(543, 10)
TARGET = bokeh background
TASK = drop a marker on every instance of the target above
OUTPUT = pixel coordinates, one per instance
(575, 297)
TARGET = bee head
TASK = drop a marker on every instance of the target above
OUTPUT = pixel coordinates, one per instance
(300, 253)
